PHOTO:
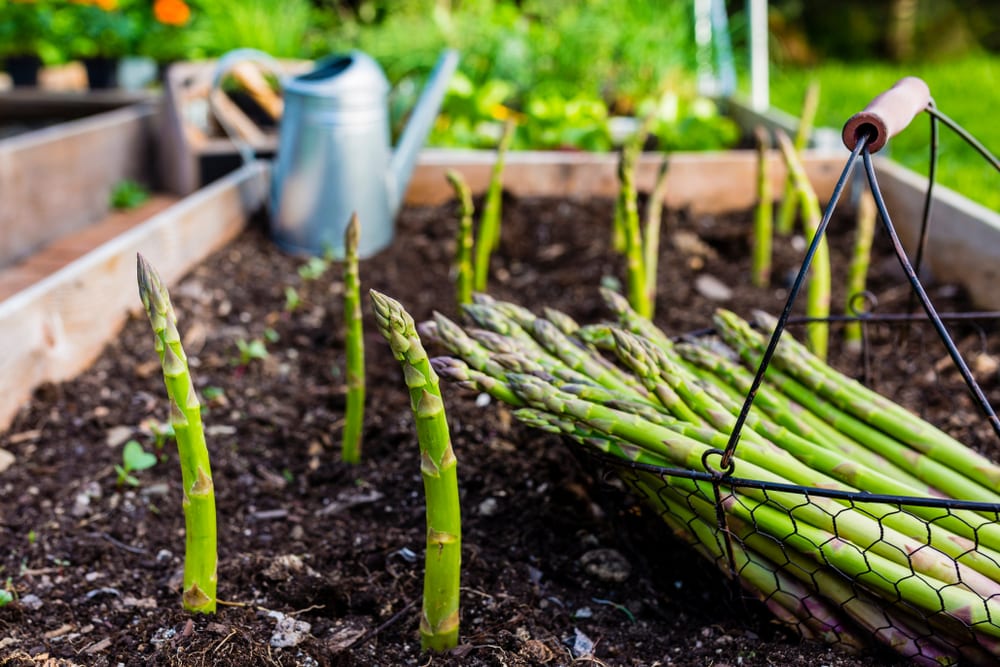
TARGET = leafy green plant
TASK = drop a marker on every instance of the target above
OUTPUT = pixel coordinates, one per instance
(200, 548)
(282, 28)
(134, 458)
(439, 618)
(26, 29)
(249, 351)
(128, 194)
(292, 299)
(6, 594)
(314, 268)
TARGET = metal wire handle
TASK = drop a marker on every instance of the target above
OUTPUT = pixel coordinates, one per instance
(865, 133)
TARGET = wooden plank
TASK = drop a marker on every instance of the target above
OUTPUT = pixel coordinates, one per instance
(703, 182)
(963, 243)
(57, 180)
(55, 329)
(33, 103)
(69, 248)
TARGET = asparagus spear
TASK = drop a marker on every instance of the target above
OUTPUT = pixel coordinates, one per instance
(439, 618)
(872, 408)
(463, 254)
(818, 290)
(200, 548)
(651, 234)
(635, 276)
(488, 238)
(786, 211)
(760, 272)
(857, 274)
(632, 320)
(354, 412)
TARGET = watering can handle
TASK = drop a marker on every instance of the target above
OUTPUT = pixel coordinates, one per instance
(226, 63)
(888, 114)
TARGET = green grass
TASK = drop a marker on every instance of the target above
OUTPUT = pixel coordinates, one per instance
(965, 90)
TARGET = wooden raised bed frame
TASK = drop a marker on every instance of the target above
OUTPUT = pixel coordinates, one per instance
(53, 328)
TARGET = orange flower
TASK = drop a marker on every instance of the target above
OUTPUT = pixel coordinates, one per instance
(171, 12)
(107, 5)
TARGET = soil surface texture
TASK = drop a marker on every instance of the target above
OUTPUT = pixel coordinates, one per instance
(560, 565)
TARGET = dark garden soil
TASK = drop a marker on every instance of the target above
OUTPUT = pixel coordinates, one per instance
(560, 566)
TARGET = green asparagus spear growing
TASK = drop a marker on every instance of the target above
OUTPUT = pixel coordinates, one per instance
(857, 274)
(354, 413)
(635, 275)
(200, 549)
(439, 618)
(463, 254)
(488, 238)
(760, 272)
(818, 295)
(651, 235)
(790, 201)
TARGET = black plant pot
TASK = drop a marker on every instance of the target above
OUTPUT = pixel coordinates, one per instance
(102, 72)
(23, 69)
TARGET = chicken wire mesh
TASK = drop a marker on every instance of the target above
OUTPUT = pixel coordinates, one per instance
(919, 575)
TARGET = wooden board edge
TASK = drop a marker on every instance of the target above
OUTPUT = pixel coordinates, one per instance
(55, 329)
(963, 243)
(693, 180)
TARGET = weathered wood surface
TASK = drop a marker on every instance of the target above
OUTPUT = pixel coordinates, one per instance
(703, 182)
(53, 329)
(57, 180)
(963, 242)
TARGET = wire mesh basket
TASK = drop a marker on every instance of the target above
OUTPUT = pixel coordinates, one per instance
(920, 575)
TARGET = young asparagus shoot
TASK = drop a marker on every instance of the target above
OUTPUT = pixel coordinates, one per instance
(857, 273)
(635, 275)
(200, 548)
(760, 272)
(463, 252)
(439, 617)
(818, 290)
(651, 235)
(488, 238)
(354, 340)
(134, 458)
(790, 200)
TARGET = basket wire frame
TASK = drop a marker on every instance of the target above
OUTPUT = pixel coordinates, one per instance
(828, 588)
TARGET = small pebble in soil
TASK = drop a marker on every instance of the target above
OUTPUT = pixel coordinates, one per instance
(288, 631)
(712, 288)
(606, 564)
(488, 507)
(31, 601)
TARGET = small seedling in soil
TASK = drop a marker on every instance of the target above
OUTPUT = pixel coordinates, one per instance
(6, 596)
(292, 300)
(162, 432)
(134, 458)
(200, 548)
(439, 468)
(255, 349)
(314, 268)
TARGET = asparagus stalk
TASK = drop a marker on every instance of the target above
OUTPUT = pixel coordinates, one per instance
(200, 546)
(488, 238)
(632, 320)
(354, 412)
(635, 275)
(857, 274)
(463, 253)
(651, 235)
(760, 271)
(439, 618)
(818, 290)
(873, 408)
(787, 209)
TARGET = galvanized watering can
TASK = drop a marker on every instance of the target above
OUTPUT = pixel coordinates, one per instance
(334, 153)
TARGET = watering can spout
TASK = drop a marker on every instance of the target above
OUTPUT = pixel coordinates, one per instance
(422, 118)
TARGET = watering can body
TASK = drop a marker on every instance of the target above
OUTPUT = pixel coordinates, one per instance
(335, 157)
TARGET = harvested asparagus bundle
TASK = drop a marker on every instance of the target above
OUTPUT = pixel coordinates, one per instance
(809, 538)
